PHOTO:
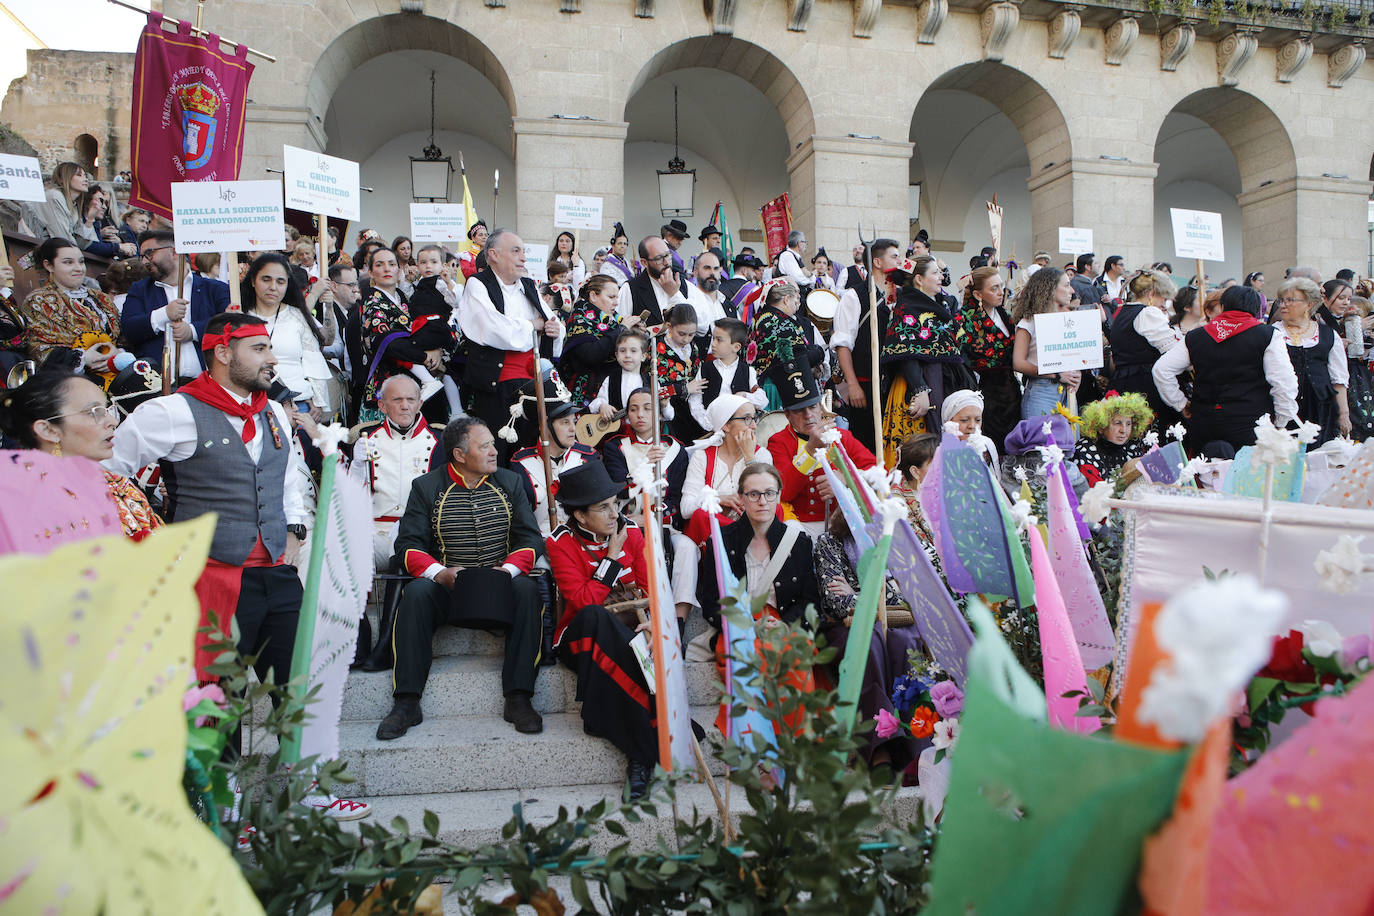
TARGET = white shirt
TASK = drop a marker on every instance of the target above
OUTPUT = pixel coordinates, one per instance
(1114, 286)
(710, 307)
(624, 305)
(629, 384)
(165, 429)
(513, 331)
(790, 266)
(1278, 370)
(1153, 325)
(724, 477)
(755, 395)
(187, 351)
(300, 361)
(1336, 365)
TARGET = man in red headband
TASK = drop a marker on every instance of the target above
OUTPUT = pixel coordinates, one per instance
(224, 447)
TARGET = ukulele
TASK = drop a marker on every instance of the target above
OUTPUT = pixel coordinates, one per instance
(592, 428)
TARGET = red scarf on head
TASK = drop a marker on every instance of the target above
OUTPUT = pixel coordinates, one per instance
(1229, 324)
(208, 391)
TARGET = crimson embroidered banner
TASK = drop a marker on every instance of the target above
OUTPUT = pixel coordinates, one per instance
(777, 222)
(188, 111)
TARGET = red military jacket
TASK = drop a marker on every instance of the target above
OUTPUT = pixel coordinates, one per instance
(798, 489)
(583, 572)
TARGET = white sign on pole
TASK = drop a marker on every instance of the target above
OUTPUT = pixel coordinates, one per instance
(227, 216)
(537, 262)
(21, 178)
(437, 223)
(1197, 235)
(1075, 241)
(572, 211)
(1065, 341)
(316, 183)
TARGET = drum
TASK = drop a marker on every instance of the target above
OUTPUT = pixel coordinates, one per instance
(821, 305)
(770, 423)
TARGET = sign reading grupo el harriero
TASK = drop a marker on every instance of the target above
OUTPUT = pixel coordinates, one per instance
(227, 216)
(316, 183)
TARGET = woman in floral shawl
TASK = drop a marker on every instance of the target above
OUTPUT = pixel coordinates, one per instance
(987, 334)
(589, 348)
(920, 354)
(781, 335)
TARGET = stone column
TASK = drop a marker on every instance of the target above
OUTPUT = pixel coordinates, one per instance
(1315, 222)
(562, 156)
(839, 182)
(1113, 198)
(269, 127)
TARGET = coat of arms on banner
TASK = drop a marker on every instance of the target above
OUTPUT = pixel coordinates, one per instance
(199, 105)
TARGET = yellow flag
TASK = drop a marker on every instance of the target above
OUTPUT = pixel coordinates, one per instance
(469, 213)
(96, 643)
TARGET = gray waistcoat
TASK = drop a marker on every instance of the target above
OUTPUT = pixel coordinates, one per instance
(220, 477)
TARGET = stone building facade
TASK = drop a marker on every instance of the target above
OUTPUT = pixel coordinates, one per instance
(1087, 88)
(74, 105)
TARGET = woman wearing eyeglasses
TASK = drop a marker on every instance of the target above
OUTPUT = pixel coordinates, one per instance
(718, 461)
(772, 558)
(1318, 357)
(68, 415)
(65, 312)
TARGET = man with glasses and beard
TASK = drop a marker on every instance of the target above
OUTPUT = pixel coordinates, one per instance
(154, 303)
(656, 288)
(225, 447)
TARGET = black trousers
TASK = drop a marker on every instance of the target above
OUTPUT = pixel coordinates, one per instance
(267, 614)
(425, 605)
(887, 660)
(861, 419)
(492, 407)
(616, 703)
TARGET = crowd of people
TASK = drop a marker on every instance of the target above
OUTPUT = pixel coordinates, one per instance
(507, 426)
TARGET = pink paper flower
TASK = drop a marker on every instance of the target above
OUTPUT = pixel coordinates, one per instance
(195, 695)
(887, 724)
(948, 699)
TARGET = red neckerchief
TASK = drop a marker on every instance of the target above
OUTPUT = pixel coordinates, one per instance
(1229, 324)
(208, 391)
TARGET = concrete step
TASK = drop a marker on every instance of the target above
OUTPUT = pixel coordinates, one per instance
(471, 686)
(482, 753)
(473, 819)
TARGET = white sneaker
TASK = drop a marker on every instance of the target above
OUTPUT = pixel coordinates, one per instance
(430, 388)
(341, 809)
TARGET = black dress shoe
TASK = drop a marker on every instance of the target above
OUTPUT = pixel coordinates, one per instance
(637, 773)
(404, 713)
(521, 714)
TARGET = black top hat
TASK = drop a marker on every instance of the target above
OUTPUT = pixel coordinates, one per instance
(585, 485)
(553, 407)
(707, 233)
(747, 260)
(796, 385)
(676, 227)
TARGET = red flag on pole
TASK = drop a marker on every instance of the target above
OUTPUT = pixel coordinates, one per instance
(188, 111)
(777, 222)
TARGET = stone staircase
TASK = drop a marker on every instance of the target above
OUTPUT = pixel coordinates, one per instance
(469, 766)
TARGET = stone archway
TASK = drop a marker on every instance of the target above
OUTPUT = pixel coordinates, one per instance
(368, 97)
(742, 112)
(1239, 159)
(982, 128)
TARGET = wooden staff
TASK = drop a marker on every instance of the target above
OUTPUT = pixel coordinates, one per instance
(544, 434)
(1201, 289)
(876, 380)
(231, 259)
(658, 465)
(171, 347)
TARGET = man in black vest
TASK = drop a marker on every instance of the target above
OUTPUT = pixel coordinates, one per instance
(1241, 371)
(655, 289)
(747, 269)
(851, 339)
(501, 314)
